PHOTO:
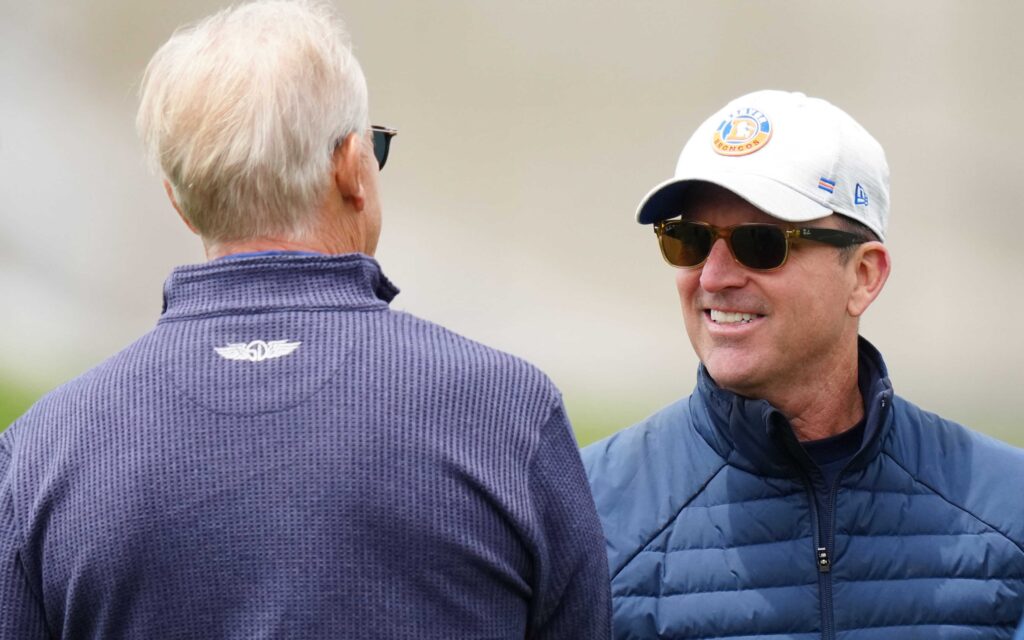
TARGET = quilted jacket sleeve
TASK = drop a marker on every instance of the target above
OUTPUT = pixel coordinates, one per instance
(642, 476)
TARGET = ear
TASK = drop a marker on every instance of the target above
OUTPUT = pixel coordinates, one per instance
(348, 171)
(871, 267)
(174, 203)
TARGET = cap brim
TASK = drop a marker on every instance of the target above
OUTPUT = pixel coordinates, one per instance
(778, 200)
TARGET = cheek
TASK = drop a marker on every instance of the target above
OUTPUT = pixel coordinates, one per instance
(687, 281)
(825, 299)
(687, 286)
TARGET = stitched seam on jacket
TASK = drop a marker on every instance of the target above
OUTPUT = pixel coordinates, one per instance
(933, 490)
(670, 520)
(789, 633)
(926, 534)
(905, 579)
(885, 493)
(981, 625)
(732, 546)
(665, 594)
(783, 635)
(781, 496)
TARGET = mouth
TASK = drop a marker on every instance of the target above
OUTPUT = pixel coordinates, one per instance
(720, 317)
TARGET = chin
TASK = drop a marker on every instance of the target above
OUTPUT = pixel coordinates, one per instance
(738, 377)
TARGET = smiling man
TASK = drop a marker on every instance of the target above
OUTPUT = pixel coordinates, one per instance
(793, 495)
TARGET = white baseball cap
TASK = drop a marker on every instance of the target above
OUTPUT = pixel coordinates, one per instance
(795, 158)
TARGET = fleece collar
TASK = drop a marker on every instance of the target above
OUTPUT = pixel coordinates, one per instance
(284, 282)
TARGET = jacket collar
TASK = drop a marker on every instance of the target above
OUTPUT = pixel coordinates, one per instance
(283, 282)
(755, 436)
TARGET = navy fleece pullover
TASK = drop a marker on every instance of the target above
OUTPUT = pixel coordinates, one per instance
(284, 456)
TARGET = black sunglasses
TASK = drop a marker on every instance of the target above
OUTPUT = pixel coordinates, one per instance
(382, 143)
(763, 247)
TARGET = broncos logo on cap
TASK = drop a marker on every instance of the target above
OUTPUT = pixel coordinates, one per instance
(743, 131)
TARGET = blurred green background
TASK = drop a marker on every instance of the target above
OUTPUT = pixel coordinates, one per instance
(590, 421)
(529, 131)
(14, 400)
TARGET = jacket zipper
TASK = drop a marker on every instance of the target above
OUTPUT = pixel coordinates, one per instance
(824, 544)
(825, 570)
(824, 565)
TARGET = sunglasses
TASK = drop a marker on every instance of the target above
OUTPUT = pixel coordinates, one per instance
(762, 247)
(382, 143)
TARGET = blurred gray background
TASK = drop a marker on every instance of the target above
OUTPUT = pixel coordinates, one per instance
(528, 133)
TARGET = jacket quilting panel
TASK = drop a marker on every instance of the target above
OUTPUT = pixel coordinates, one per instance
(926, 534)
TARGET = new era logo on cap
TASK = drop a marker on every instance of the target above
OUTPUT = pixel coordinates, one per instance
(860, 196)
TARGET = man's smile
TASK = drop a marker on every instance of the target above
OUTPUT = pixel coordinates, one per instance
(731, 317)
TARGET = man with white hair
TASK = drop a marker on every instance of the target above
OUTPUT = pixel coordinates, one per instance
(793, 495)
(283, 456)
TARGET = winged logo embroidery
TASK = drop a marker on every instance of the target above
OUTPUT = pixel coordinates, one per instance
(257, 350)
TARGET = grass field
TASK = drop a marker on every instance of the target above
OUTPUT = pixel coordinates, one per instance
(14, 400)
(590, 425)
(590, 421)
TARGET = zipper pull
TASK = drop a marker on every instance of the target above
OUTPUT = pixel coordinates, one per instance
(824, 564)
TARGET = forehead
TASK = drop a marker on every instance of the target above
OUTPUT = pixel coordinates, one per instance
(706, 202)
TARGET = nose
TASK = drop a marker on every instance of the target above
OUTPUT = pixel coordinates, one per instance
(720, 271)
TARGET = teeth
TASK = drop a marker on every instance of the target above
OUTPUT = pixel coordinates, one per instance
(724, 317)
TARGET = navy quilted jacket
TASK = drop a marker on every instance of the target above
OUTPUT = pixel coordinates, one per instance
(712, 530)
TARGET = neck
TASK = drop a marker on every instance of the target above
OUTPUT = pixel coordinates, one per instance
(826, 406)
(816, 418)
(252, 245)
(332, 234)
(821, 398)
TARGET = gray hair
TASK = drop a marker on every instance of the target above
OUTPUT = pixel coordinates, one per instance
(242, 112)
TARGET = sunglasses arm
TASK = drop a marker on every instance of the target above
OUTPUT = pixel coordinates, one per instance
(833, 237)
